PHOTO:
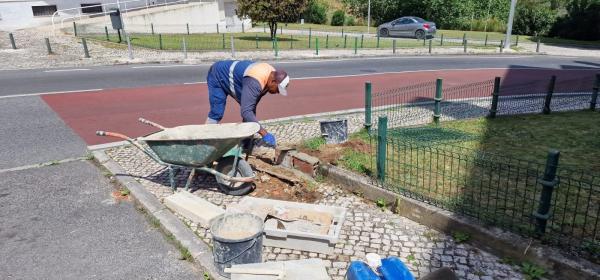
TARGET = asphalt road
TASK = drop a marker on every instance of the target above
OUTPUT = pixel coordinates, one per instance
(17, 82)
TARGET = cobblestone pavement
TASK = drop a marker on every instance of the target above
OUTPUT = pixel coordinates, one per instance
(366, 229)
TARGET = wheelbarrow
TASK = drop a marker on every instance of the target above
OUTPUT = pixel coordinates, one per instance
(198, 147)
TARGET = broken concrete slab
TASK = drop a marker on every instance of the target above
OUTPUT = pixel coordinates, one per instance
(294, 225)
(194, 208)
(313, 269)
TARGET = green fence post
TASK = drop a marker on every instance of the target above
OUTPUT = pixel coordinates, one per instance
(256, 40)
(465, 47)
(85, 48)
(362, 40)
(327, 41)
(12, 41)
(595, 90)
(394, 46)
(342, 32)
(187, 27)
(378, 40)
(501, 46)
(517, 41)
(355, 45)
(345, 40)
(309, 37)
(160, 43)
(464, 38)
(430, 45)
(549, 182)
(548, 99)
(106, 32)
(223, 40)
(486, 39)
(424, 42)
(152, 28)
(48, 47)
(291, 41)
(442, 40)
(317, 45)
(119, 34)
(217, 28)
(437, 102)
(75, 29)
(495, 95)
(381, 147)
(537, 47)
(368, 106)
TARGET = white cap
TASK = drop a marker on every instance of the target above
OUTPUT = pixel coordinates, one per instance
(283, 86)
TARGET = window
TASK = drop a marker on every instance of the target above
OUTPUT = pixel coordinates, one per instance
(406, 21)
(40, 11)
(92, 8)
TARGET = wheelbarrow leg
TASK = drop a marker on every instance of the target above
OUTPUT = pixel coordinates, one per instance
(190, 179)
(172, 178)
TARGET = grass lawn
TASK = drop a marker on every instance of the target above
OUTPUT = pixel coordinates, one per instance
(262, 41)
(490, 170)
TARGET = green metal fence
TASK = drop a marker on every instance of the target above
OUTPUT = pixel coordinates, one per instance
(494, 189)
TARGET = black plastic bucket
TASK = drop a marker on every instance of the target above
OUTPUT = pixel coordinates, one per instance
(237, 239)
(334, 131)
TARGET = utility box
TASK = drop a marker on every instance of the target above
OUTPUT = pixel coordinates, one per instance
(115, 19)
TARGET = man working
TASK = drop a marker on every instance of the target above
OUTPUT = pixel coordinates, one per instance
(247, 82)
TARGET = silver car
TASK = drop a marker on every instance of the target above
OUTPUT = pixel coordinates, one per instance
(408, 27)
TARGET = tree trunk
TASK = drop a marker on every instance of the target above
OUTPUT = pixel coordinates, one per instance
(273, 29)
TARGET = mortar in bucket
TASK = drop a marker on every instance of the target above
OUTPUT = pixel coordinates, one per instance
(334, 131)
(237, 239)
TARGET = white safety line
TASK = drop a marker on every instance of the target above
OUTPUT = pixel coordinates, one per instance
(167, 66)
(49, 93)
(66, 70)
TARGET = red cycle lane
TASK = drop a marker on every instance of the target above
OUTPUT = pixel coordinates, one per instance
(117, 110)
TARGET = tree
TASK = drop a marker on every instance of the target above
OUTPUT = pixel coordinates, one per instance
(316, 12)
(338, 18)
(533, 19)
(271, 11)
(582, 21)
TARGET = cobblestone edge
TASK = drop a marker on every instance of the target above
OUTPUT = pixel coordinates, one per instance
(200, 252)
(492, 239)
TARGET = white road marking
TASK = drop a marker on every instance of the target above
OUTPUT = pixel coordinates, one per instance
(66, 70)
(50, 93)
(167, 66)
(194, 83)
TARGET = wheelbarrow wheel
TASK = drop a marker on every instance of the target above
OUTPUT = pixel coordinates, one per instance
(225, 166)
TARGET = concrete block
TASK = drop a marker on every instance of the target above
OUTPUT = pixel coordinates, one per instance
(194, 208)
(305, 163)
(313, 269)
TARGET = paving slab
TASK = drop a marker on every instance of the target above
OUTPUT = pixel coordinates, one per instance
(61, 222)
(193, 207)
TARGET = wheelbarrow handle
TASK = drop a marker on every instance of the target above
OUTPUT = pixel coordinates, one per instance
(145, 121)
(113, 134)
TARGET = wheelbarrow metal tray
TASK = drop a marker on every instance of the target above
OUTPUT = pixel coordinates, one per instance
(197, 145)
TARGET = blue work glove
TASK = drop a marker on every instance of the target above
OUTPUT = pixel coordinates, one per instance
(269, 139)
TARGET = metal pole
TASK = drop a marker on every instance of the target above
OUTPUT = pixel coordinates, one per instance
(549, 182)
(549, 94)
(85, 48)
(495, 95)
(217, 28)
(430, 46)
(368, 105)
(119, 33)
(232, 46)
(394, 46)
(185, 55)
(327, 41)
(317, 45)
(187, 26)
(464, 38)
(223, 39)
(309, 37)
(537, 48)
(129, 49)
(595, 93)
(486, 40)
(377, 40)
(355, 45)
(243, 29)
(256, 41)
(442, 40)
(511, 16)
(501, 46)
(152, 28)
(465, 47)
(75, 29)
(276, 47)
(12, 41)
(106, 32)
(381, 147)
(48, 47)
(517, 42)
(291, 41)
(362, 40)
(438, 100)
(345, 40)
(160, 43)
